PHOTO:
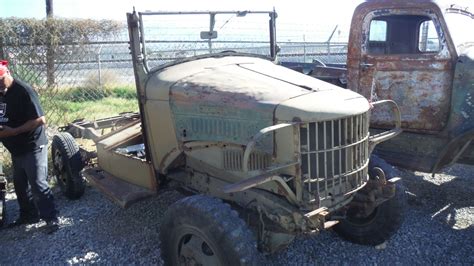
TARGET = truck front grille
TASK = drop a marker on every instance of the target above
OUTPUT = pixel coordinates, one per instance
(334, 156)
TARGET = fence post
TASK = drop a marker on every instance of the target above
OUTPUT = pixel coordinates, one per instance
(99, 67)
(304, 48)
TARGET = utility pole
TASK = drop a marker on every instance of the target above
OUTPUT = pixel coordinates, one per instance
(50, 50)
(49, 8)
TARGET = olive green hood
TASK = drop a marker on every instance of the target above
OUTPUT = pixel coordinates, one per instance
(231, 98)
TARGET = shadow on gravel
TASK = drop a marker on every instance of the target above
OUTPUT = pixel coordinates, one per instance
(448, 196)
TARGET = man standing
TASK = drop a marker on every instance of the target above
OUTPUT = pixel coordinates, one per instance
(22, 132)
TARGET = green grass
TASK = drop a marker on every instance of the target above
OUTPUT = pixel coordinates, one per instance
(68, 111)
(68, 105)
(81, 94)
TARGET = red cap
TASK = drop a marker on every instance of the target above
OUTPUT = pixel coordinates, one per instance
(3, 67)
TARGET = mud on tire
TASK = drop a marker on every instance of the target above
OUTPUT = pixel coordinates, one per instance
(67, 165)
(383, 222)
(200, 230)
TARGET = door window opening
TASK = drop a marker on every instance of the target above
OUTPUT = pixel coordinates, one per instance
(403, 34)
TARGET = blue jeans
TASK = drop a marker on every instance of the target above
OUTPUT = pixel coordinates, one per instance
(34, 196)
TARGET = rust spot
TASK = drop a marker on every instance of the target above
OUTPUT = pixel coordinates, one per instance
(281, 190)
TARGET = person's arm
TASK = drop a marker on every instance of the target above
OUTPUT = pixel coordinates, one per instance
(29, 125)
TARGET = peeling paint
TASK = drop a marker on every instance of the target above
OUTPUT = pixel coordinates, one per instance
(423, 95)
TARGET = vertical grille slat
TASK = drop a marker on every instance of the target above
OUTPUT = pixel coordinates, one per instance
(325, 176)
(340, 152)
(233, 159)
(316, 159)
(307, 157)
(334, 155)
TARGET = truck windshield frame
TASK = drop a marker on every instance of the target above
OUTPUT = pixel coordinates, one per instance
(212, 33)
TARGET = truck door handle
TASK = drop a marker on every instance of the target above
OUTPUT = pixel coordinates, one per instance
(366, 65)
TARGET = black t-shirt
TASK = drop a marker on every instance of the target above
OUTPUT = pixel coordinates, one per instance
(19, 105)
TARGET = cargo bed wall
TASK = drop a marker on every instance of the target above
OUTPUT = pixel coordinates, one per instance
(127, 167)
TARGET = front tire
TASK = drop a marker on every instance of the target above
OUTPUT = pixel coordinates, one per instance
(67, 165)
(382, 223)
(200, 230)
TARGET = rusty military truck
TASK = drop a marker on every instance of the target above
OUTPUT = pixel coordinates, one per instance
(265, 153)
(422, 57)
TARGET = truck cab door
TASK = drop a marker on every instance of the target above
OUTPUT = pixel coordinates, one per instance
(405, 57)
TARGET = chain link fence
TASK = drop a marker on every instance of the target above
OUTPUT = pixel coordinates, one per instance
(311, 52)
(91, 80)
(97, 70)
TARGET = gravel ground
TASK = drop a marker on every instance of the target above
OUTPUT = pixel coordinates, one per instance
(438, 229)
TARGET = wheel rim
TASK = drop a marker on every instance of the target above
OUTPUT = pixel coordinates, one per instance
(194, 249)
(59, 168)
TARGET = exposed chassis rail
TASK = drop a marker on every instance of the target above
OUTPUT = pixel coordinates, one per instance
(81, 128)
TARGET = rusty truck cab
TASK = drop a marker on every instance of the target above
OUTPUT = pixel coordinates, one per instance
(403, 51)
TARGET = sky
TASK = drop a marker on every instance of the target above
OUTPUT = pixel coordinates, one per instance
(295, 12)
(116, 9)
(316, 17)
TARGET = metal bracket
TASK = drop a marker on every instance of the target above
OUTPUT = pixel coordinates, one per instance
(378, 138)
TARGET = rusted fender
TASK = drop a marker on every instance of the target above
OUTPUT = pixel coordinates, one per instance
(461, 121)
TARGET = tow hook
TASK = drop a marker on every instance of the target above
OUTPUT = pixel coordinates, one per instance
(318, 219)
(377, 190)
